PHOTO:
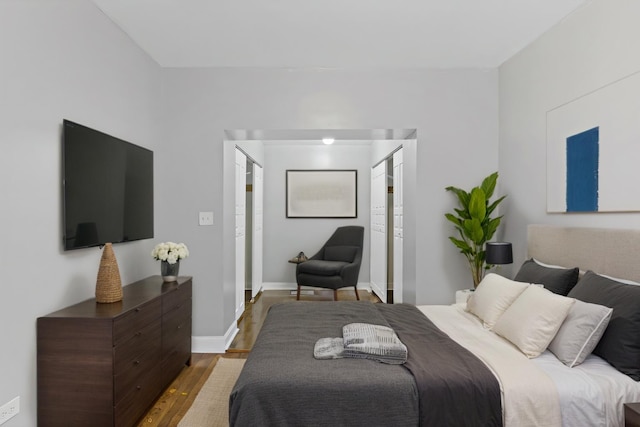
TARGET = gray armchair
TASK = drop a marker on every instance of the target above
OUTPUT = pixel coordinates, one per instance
(336, 265)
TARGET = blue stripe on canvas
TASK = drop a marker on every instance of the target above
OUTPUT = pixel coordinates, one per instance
(582, 171)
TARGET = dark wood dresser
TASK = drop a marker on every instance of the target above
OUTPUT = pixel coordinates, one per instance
(105, 364)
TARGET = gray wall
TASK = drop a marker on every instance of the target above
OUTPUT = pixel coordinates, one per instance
(60, 59)
(595, 46)
(455, 114)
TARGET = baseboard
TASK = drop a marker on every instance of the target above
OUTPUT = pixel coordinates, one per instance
(284, 286)
(214, 344)
(278, 286)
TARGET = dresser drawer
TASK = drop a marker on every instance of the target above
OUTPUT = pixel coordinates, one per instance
(127, 353)
(175, 325)
(177, 297)
(177, 359)
(134, 374)
(135, 403)
(131, 323)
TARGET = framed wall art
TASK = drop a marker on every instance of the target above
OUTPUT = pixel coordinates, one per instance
(322, 193)
(593, 147)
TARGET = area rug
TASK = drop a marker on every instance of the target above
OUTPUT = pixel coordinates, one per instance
(211, 406)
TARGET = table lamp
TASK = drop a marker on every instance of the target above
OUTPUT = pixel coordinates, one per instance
(498, 253)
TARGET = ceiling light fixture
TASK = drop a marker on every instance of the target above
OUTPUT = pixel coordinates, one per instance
(328, 141)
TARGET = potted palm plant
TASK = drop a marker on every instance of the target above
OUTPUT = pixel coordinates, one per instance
(474, 223)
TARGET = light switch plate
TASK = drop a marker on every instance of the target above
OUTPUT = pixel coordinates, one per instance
(205, 218)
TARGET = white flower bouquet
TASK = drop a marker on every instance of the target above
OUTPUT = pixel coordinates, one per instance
(170, 252)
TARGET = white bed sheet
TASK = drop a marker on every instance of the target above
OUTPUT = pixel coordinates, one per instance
(591, 394)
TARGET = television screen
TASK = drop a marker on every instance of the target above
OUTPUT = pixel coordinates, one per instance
(107, 188)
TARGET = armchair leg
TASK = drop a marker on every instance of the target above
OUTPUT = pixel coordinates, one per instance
(357, 296)
(335, 295)
(298, 294)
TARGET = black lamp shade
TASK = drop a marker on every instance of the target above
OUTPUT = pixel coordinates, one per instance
(498, 253)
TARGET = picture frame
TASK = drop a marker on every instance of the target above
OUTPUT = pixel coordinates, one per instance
(323, 193)
(593, 150)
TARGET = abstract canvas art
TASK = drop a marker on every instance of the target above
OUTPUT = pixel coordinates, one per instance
(593, 150)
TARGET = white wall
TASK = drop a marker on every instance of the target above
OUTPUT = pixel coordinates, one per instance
(455, 114)
(60, 59)
(595, 46)
(285, 237)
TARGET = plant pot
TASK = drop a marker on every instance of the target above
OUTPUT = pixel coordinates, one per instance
(169, 272)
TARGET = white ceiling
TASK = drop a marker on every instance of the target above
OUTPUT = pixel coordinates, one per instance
(335, 33)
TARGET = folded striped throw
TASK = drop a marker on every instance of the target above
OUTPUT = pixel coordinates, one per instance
(363, 341)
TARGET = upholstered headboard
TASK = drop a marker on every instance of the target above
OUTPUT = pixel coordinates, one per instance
(614, 252)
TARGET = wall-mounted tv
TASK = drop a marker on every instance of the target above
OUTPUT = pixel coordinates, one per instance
(107, 191)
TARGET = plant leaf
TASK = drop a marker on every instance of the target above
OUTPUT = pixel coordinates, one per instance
(478, 204)
(473, 230)
(462, 213)
(461, 244)
(463, 196)
(489, 184)
(454, 219)
(491, 228)
(495, 204)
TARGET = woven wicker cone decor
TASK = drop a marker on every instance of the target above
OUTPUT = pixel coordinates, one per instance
(108, 285)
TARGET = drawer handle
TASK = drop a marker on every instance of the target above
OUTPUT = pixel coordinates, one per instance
(138, 387)
(137, 362)
(138, 333)
(138, 310)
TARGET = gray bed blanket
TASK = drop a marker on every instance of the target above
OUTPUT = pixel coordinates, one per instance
(282, 384)
(456, 388)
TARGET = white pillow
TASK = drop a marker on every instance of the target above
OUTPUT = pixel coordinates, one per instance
(533, 319)
(580, 332)
(492, 297)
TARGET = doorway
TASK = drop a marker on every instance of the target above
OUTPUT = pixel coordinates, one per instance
(248, 249)
(248, 244)
(253, 142)
(387, 227)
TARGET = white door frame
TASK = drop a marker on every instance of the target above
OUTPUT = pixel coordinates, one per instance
(240, 217)
(378, 237)
(258, 204)
(398, 220)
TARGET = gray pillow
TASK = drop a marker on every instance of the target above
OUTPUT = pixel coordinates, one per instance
(620, 343)
(580, 332)
(557, 280)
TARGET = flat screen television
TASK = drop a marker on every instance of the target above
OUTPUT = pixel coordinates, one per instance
(107, 194)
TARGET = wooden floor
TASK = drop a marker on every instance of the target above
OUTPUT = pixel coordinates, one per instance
(178, 397)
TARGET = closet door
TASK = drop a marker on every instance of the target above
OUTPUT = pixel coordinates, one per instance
(241, 194)
(398, 237)
(258, 191)
(378, 267)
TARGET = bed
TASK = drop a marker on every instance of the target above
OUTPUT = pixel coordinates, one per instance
(525, 360)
